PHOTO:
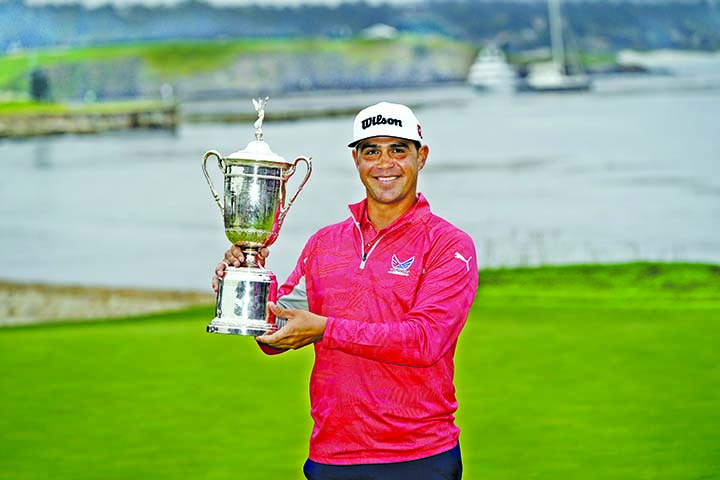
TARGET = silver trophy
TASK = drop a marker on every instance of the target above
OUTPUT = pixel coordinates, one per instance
(254, 208)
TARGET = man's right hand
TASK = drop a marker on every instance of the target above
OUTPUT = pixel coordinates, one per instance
(234, 258)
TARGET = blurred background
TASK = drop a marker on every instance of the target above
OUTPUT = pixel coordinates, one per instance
(576, 141)
(559, 133)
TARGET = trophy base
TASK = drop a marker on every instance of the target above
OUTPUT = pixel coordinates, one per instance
(254, 330)
(241, 304)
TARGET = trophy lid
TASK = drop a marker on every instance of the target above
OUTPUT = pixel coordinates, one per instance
(257, 151)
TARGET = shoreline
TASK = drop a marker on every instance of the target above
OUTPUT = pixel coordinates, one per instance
(32, 303)
(55, 119)
(60, 119)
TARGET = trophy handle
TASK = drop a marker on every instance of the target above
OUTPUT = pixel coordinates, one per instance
(207, 176)
(290, 173)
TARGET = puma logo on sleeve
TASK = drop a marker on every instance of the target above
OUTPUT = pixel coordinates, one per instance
(467, 261)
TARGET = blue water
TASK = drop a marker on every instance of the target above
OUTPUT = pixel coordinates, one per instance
(618, 174)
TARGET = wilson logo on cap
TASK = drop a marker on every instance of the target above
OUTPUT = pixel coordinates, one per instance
(380, 120)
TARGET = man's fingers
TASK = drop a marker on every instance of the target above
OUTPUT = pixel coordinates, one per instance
(271, 338)
(219, 273)
(220, 270)
(275, 308)
(234, 258)
(266, 338)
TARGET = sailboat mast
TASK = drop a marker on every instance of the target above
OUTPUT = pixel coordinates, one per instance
(556, 35)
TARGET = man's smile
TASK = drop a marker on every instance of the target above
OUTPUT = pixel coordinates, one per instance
(387, 179)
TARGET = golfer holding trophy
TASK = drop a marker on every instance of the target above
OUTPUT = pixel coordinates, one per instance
(253, 209)
(382, 297)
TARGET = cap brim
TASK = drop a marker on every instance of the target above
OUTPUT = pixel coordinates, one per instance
(354, 143)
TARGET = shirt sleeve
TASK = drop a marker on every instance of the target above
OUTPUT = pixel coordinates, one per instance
(432, 326)
(292, 294)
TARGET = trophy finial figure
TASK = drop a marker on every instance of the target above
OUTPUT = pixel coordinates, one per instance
(259, 105)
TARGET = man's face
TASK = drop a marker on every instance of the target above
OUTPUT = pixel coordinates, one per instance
(389, 169)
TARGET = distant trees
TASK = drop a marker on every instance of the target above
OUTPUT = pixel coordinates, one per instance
(39, 85)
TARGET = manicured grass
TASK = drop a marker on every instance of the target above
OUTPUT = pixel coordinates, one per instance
(587, 372)
(56, 108)
(153, 398)
(590, 393)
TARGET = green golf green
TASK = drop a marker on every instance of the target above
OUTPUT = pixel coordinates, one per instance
(578, 372)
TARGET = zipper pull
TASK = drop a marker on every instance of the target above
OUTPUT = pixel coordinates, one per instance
(364, 256)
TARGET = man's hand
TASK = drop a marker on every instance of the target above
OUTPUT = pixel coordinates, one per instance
(303, 328)
(234, 257)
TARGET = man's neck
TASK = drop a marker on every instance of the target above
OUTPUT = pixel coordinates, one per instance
(382, 215)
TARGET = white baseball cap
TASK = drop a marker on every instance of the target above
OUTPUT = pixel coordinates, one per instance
(386, 120)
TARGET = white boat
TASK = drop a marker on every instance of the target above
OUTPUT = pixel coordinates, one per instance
(564, 72)
(491, 71)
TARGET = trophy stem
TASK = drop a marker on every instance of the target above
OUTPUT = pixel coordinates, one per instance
(251, 257)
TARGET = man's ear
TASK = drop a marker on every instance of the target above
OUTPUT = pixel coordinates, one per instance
(423, 153)
(354, 155)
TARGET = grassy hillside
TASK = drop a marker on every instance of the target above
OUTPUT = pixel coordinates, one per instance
(183, 57)
(583, 372)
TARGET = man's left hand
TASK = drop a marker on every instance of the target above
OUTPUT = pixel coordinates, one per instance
(303, 328)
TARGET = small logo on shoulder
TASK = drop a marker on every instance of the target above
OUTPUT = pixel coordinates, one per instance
(463, 259)
(401, 268)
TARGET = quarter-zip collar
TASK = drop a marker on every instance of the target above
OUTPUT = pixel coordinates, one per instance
(420, 210)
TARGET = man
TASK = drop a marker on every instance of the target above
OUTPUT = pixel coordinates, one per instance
(383, 297)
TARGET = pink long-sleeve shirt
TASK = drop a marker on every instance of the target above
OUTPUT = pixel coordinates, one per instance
(381, 389)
